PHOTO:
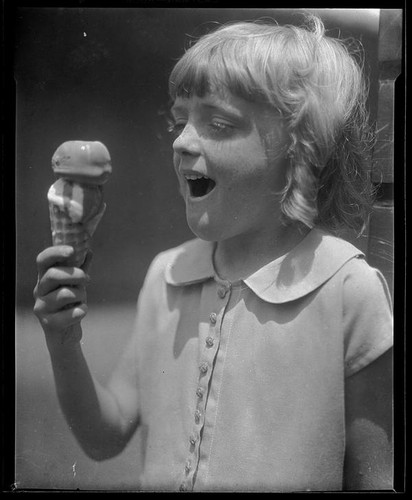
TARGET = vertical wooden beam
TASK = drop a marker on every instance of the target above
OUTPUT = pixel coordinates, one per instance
(389, 55)
(381, 237)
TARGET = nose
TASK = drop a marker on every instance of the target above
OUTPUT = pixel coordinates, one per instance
(187, 142)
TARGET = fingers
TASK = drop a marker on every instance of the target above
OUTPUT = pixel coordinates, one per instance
(62, 320)
(60, 292)
(61, 308)
(52, 256)
(56, 277)
(62, 298)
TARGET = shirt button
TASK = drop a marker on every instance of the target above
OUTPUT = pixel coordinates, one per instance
(213, 318)
(188, 466)
(199, 392)
(210, 341)
(221, 291)
(192, 439)
(203, 367)
(197, 416)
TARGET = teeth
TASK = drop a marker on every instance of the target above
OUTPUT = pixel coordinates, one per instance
(194, 177)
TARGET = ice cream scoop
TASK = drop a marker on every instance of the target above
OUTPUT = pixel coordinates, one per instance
(83, 162)
(76, 198)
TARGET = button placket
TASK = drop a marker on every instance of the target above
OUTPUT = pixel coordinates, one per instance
(191, 461)
(211, 344)
(210, 341)
(198, 420)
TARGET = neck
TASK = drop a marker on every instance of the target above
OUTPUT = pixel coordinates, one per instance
(238, 257)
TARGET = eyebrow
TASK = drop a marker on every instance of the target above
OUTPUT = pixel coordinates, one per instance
(210, 106)
(227, 109)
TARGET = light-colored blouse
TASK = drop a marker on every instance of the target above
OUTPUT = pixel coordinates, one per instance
(241, 385)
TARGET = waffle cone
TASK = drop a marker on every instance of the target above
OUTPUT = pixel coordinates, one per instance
(76, 234)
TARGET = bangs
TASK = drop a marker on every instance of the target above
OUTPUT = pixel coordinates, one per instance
(223, 61)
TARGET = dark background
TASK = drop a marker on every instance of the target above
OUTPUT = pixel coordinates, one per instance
(101, 74)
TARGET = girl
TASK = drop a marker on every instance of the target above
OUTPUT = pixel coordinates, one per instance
(260, 358)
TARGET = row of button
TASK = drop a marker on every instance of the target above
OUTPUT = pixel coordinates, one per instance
(203, 368)
(210, 340)
(193, 438)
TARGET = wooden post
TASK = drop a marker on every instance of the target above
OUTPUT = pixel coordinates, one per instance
(381, 234)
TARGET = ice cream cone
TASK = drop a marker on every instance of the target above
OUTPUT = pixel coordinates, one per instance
(76, 198)
(75, 211)
(76, 234)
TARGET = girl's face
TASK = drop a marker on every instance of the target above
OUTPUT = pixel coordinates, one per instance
(229, 157)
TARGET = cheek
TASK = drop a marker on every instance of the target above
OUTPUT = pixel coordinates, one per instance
(250, 169)
(273, 135)
(238, 160)
(277, 161)
(275, 146)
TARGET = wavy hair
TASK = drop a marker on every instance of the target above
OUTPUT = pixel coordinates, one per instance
(317, 85)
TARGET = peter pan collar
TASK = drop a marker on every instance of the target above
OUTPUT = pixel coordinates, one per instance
(310, 264)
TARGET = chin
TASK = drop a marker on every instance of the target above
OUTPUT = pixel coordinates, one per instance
(203, 229)
(203, 234)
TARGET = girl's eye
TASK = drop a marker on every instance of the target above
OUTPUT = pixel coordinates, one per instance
(176, 128)
(219, 127)
(216, 127)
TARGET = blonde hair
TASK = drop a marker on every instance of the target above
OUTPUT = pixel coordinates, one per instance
(318, 88)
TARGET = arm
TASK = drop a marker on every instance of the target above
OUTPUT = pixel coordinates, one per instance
(102, 419)
(368, 338)
(368, 460)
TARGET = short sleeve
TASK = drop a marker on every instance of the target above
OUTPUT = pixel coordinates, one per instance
(367, 316)
(125, 377)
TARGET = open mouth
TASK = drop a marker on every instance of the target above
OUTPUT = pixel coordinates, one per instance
(199, 185)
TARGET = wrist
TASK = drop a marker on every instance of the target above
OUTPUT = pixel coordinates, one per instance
(64, 341)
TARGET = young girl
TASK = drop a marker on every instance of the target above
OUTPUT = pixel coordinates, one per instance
(260, 358)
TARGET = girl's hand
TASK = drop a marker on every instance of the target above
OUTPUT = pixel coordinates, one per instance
(60, 294)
